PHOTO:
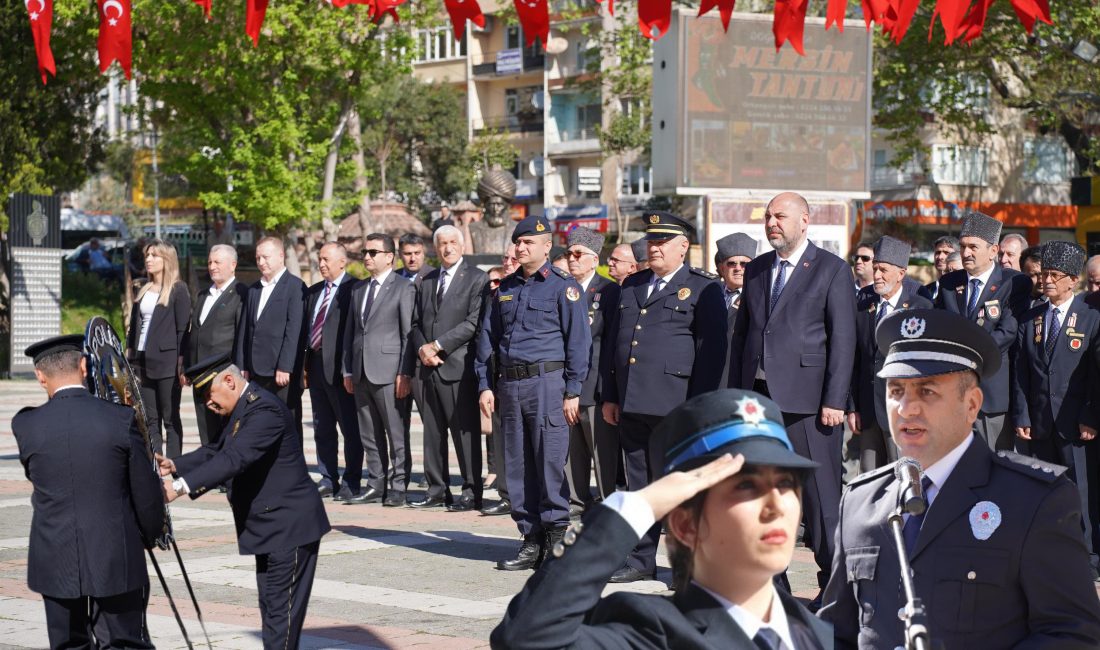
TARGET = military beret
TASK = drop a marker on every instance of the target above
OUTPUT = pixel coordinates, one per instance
(736, 245)
(65, 343)
(1064, 256)
(532, 225)
(665, 225)
(586, 237)
(724, 421)
(203, 372)
(892, 251)
(640, 250)
(982, 226)
(928, 342)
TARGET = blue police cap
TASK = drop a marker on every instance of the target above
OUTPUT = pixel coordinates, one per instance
(720, 422)
(665, 225)
(928, 342)
(65, 343)
(532, 225)
(202, 373)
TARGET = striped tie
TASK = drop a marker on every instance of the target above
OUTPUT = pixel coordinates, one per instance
(319, 320)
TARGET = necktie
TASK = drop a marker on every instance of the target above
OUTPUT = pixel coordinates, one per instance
(883, 309)
(975, 291)
(442, 286)
(731, 299)
(319, 320)
(912, 527)
(370, 300)
(658, 284)
(1052, 332)
(768, 639)
(780, 281)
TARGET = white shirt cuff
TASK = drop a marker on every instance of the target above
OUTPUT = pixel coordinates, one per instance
(183, 484)
(632, 507)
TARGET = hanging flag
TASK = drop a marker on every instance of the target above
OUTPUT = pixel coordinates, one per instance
(725, 10)
(974, 22)
(379, 9)
(789, 23)
(834, 13)
(41, 22)
(951, 14)
(1029, 11)
(654, 17)
(898, 17)
(205, 4)
(873, 11)
(461, 11)
(254, 19)
(534, 17)
(115, 39)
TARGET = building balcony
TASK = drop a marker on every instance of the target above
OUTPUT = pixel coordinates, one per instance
(509, 124)
(889, 178)
(571, 142)
(507, 62)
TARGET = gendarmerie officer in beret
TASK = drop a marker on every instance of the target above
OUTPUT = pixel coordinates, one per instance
(889, 293)
(732, 257)
(665, 343)
(998, 557)
(537, 325)
(97, 505)
(1056, 378)
(729, 496)
(991, 296)
(278, 512)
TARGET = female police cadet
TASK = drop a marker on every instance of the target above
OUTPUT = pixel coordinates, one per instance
(730, 498)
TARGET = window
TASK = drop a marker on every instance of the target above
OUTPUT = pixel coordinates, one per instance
(637, 180)
(1046, 160)
(511, 101)
(438, 44)
(513, 37)
(583, 48)
(955, 165)
(885, 175)
(589, 117)
(632, 106)
(971, 92)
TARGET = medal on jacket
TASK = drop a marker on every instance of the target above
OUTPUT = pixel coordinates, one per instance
(985, 517)
(1073, 320)
(683, 294)
(1038, 330)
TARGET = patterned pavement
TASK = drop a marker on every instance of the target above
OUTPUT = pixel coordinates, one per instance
(386, 578)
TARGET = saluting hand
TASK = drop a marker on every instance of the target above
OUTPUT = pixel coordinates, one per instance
(674, 488)
(166, 466)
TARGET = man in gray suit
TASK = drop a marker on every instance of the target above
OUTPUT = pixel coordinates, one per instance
(447, 309)
(376, 333)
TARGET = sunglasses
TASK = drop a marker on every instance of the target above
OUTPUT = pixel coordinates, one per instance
(862, 258)
(736, 265)
(494, 282)
(373, 251)
(578, 254)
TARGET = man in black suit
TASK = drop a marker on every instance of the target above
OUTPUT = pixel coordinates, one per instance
(941, 250)
(279, 515)
(592, 441)
(734, 253)
(213, 331)
(97, 505)
(448, 304)
(889, 293)
(376, 333)
(794, 341)
(1056, 377)
(990, 296)
(411, 248)
(997, 556)
(327, 305)
(268, 341)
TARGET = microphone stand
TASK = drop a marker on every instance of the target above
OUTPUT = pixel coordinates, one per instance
(916, 628)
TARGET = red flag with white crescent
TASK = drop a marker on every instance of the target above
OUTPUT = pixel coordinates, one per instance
(41, 14)
(534, 17)
(254, 19)
(789, 23)
(725, 10)
(461, 11)
(654, 17)
(115, 38)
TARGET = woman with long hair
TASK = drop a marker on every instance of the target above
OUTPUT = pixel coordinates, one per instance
(730, 500)
(158, 321)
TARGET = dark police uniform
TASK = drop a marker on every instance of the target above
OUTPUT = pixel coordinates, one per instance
(96, 499)
(998, 560)
(276, 507)
(538, 328)
(660, 348)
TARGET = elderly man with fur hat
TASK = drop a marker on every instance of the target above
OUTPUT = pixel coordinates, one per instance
(989, 295)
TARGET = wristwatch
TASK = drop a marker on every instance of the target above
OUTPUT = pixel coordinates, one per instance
(571, 396)
(180, 487)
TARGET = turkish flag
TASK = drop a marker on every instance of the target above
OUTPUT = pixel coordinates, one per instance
(898, 17)
(534, 17)
(254, 19)
(205, 4)
(951, 13)
(654, 17)
(725, 10)
(834, 14)
(789, 23)
(41, 22)
(115, 40)
(873, 11)
(379, 9)
(461, 11)
(1029, 11)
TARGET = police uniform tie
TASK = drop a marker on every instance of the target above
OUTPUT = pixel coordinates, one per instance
(370, 299)
(975, 291)
(442, 287)
(768, 639)
(780, 281)
(883, 309)
(658, 284)
(731, 298)
(319, 320)
(912, 527)
(1052, 331)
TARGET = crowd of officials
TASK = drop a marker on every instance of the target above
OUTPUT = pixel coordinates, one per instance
(584, 380)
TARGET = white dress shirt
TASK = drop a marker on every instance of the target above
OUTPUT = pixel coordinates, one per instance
(331, 298)
(145, 308)
(794, 258)
(983, 279)
(664, 280)
(215, 293)
(265, 292)
(450, 277)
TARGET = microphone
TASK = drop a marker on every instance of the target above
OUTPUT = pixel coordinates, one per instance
(911, 498)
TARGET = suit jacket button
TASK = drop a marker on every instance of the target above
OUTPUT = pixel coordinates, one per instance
(972, 575)
(633, 343)
(632, 360)
(643, 312)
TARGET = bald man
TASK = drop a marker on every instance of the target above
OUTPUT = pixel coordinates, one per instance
(621, 263)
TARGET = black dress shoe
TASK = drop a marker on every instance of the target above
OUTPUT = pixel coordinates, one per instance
(502, 508)
(369, 495)
(394, 500)
(465, 504)
(345, 494)
(429, 502)
(629, 574)
(324, 489)
(528, 557)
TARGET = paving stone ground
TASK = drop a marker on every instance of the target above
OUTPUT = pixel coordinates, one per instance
(386, 578)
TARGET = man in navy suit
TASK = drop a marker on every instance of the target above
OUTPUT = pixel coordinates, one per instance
(794, 341)
(990, 296)
(1056, 369)
(327, 305)
(889, 293)
(268, 340)
(941, 250)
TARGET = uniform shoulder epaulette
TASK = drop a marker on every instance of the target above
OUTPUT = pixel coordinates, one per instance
(561, 274)
(1033, 467)
(252, 397)
(867, 477)
(706, 274)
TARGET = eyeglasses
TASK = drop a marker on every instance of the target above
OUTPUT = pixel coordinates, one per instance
(1056, 276)
(862, 258)
(615, 260)
(507, 258)
(731, 264)
(494, 282)
(373, 251)
(578, 254)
